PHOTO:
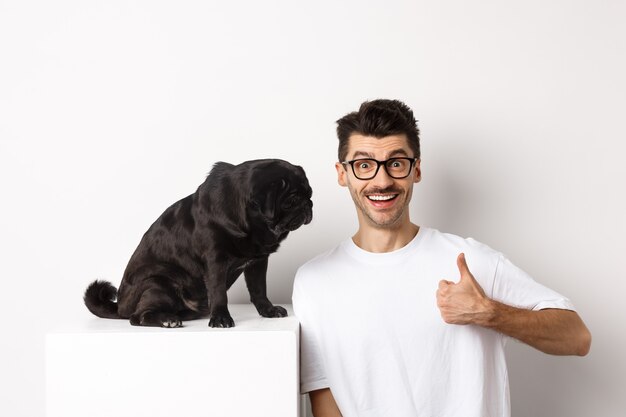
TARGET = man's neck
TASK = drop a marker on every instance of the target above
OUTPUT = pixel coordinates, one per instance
(379, 240)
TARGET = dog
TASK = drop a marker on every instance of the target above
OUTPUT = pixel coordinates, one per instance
(198, 247)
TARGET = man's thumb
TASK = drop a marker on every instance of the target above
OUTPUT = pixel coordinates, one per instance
(463, 268)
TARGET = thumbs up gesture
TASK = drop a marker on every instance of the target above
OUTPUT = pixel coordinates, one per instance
(463, 302)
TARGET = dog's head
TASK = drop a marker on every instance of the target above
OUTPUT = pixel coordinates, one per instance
(281, 195)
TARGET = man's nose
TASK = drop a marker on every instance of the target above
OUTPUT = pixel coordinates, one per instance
(382, 179)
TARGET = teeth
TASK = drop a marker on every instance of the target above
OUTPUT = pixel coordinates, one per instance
(381, 197)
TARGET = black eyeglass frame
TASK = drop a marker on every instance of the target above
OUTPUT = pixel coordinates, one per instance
(378, 164)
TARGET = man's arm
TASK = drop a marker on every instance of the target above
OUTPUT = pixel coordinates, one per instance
(553, 331)
(323, 403)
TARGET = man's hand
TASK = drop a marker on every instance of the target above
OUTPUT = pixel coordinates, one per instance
(464, 302)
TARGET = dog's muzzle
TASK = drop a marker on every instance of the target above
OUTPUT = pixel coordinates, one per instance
(304, 216)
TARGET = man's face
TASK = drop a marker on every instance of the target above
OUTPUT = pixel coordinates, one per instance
(382, 201)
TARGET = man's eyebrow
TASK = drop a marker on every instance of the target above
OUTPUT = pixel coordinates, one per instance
(397, 152)
(361, 153)
(391, 154)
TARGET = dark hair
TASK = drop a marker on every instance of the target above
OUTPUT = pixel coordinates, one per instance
(379, 118)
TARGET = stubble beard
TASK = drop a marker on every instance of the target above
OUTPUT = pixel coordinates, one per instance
(388, 222)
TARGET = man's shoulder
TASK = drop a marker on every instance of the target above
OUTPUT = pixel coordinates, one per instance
(459, 243)
(323, 260)
(442, 246)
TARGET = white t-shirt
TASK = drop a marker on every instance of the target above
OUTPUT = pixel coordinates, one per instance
(372, 332)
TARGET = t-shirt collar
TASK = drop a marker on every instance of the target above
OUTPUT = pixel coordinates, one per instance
(383, 258)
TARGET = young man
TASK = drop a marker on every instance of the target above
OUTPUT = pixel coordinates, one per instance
(402, 320)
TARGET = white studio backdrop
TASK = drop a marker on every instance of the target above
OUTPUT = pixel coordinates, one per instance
(111, 111)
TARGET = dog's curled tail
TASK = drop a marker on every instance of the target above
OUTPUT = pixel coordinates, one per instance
(100, 299)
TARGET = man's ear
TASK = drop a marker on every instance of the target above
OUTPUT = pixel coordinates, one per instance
(417, 174)
(341, 174)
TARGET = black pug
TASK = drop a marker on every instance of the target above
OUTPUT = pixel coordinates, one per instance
(199, 246)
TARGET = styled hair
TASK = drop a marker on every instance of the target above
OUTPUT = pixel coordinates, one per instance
(379, 118)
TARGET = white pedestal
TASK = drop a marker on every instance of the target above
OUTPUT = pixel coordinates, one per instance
(108, 368)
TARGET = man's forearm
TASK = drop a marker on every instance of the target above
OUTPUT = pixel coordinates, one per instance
(323, 403)
(553, 331)
(558, 332)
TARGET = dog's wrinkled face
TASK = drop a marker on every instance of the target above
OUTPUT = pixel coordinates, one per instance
(281, 196)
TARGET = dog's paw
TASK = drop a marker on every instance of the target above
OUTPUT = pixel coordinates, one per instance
(171, 323)
(155, 319)
(273, 311)
(221, 320)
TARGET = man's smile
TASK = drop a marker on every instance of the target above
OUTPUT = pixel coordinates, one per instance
(380, 200)
(380, 197)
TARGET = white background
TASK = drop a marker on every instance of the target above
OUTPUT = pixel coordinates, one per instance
(112, 110)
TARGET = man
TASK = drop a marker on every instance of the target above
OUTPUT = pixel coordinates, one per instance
(385, 329)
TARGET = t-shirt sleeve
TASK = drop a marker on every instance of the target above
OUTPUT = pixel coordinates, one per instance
(312, 375)
(516, 288)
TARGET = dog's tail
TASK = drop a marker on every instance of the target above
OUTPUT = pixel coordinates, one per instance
(100, 299)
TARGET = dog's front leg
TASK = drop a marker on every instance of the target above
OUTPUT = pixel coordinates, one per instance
(215, 282)
(255, 274)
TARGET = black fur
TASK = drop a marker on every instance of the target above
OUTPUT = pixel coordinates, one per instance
(200, 245)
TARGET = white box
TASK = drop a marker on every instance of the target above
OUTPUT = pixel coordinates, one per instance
(108, 368)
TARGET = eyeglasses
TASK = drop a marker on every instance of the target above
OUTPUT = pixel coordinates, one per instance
(366, 169)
